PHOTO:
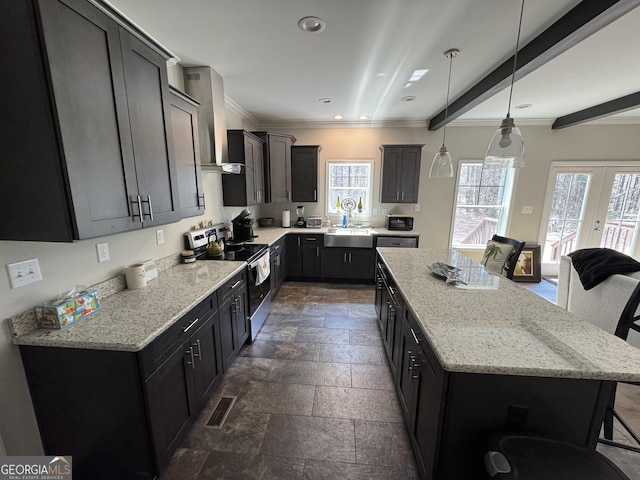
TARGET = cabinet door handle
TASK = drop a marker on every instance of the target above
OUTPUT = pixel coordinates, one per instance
(298, 241)
(402, 197)
(344, 258)
(137, 201)
(192, 363)
(148, 201)
(236, 284)
(397, 196)
(188, 327)
(350, 257)
(315, 195)
(392, 291)
(197, 354)
(410, 363)
(317, 251)
(414, 336)
(311, 239)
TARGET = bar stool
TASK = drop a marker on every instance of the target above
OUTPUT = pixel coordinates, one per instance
(527, 457)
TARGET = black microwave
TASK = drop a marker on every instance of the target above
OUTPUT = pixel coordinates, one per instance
(399, 222)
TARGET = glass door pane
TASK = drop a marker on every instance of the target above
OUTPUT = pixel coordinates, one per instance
(621, 225)
(566, 215)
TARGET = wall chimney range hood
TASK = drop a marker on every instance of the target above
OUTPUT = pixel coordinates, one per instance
(205, 85)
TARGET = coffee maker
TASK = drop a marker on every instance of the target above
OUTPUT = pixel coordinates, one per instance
(300, 222)
(242, 227)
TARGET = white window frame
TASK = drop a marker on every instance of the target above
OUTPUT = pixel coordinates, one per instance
(368, 196)
(501, 227)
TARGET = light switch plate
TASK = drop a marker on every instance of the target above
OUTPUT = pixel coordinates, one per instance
(527, 209)
(160, 236)
(24, 273)
(416, 207)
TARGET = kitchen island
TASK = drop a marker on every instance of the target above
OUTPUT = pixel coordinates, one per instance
(472, 361)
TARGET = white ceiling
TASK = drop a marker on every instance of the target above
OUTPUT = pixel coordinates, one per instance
(369, 49)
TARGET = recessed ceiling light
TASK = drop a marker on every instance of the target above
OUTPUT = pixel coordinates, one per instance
(311, 24)
(524, 105)
(325, 100)
(408, 98)
(338, 117)
(363, 117)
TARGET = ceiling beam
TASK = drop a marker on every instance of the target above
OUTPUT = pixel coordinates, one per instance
(585, 19)
(619, 105)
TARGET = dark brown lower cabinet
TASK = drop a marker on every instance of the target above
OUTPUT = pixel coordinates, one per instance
(122, 414)
(234, 321)
(347, 263)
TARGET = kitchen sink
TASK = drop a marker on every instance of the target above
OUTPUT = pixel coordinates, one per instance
(349, 238)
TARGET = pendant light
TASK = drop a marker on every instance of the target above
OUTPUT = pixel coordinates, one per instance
(442, 167)
(506, 148)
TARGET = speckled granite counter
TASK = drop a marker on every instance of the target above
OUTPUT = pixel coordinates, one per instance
(496, 326)
(130, 319)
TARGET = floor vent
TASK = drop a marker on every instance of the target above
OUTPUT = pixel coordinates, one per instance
(221, 412)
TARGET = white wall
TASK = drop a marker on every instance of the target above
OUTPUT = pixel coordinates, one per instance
(66, 264)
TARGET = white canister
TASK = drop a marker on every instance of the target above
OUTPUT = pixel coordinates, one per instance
(286, 218)
(135, 275)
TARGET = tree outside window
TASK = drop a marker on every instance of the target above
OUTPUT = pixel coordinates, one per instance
(349, 180)
(482, 201)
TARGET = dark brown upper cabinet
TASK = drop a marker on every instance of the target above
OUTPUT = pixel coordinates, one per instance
(277, 166)
(304, 173)
(247, 187)
(400, 173)
(184, 124)
(87, 138)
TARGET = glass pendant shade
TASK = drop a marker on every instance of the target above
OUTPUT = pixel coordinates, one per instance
(506, 149)
(441, 167)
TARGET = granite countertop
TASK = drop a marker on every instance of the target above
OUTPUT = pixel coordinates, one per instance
(495, 326)
(272, 234)
(131, 319)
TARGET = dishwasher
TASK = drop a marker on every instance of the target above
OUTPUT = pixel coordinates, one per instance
(402, 242)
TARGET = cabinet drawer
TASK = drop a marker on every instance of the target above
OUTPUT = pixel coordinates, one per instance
(232, 286)
(154, 354)
(313, 240)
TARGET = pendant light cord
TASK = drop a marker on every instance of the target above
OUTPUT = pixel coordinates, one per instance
(446, 110)
(515, 59)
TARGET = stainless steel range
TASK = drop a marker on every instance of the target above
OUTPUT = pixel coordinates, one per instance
(255, 255)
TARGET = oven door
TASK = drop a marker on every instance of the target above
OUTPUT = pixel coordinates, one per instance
(259, 287)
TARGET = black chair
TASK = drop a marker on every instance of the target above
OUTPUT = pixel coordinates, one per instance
(512, 261)
(628, 321)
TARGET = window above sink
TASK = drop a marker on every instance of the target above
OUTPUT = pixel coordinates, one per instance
(349, 179)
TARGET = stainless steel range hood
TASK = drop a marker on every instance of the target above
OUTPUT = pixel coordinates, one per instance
(206, 86)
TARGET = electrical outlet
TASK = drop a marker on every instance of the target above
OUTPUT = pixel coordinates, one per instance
(527, 209)
(416, 207)
(24, 273)
(103, 252)
(375, 212)
(160, 236)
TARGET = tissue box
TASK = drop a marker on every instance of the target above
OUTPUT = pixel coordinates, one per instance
(63, 313)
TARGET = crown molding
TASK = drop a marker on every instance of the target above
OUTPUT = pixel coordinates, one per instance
(318, 124)
(232, 106)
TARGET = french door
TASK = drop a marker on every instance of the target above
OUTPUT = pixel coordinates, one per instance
(590, 205)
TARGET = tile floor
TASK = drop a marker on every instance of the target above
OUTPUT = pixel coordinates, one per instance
(315, 399)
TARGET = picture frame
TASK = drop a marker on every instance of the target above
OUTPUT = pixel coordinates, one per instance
(528, 268)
